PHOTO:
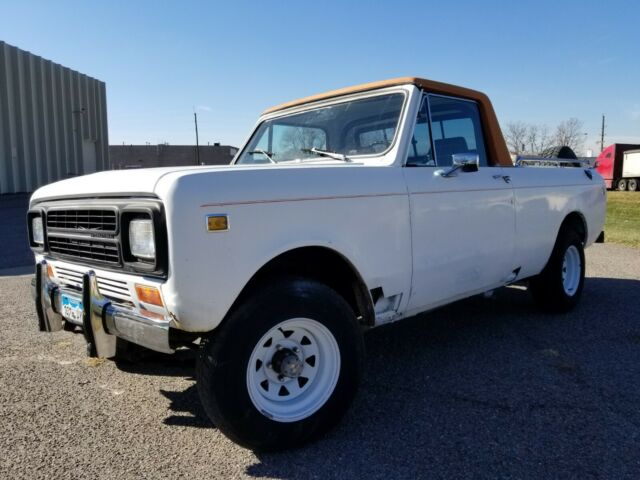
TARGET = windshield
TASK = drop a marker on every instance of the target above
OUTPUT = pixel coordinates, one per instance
(358, 127)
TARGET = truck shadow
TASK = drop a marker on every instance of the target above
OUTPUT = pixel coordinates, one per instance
(490, 387)
(185, 405)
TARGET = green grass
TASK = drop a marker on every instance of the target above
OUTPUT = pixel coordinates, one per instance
(623, 218)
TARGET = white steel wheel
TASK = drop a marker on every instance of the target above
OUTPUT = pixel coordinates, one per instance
(571, 270)
(293, 370)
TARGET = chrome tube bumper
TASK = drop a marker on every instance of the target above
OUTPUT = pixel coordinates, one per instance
(102, 320)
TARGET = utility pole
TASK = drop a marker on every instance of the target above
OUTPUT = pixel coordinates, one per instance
(602, 135)
(195, 117)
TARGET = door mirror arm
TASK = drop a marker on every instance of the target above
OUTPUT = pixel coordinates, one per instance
(468, 162)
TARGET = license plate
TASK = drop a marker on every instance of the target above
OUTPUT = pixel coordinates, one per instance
(71, 309)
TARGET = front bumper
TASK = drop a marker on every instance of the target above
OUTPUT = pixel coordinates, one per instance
(102, 320)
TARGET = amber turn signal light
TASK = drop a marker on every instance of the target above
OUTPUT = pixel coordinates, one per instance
(217, 223)
(149, 295)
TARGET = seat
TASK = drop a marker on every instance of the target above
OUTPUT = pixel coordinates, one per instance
(447, 147)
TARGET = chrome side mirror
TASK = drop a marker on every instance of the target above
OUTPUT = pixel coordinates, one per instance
(468, 162)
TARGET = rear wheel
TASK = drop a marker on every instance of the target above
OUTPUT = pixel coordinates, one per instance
(632, 184)
(621, 185)
(283, 367)
(559, 286)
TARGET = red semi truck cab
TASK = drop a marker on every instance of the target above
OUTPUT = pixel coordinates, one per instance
(619, 165)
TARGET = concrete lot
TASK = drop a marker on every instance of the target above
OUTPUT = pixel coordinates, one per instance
(483, 388)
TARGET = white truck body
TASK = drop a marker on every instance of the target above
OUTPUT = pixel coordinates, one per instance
(396, 226)
(631, 164)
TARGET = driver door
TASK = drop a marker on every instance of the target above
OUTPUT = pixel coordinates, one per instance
(463, 224)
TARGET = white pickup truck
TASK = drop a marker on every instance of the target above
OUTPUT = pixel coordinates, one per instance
(341, 212)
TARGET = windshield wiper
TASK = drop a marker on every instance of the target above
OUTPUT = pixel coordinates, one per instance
(266, 154)
(326, 153)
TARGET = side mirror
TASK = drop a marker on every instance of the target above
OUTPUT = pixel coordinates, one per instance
(467, 162)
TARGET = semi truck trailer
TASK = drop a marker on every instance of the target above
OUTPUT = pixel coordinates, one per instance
(619, 165)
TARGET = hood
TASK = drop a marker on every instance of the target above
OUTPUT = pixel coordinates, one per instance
(112, 183)
(146, 182)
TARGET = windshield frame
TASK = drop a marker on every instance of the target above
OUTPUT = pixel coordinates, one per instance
(329, 103)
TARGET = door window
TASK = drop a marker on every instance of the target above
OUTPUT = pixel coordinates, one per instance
(456, 128)
(420, 152)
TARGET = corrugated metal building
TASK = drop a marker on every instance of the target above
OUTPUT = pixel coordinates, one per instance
(53, 122)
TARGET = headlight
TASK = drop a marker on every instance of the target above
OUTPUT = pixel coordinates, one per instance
(37, 230)
(141, 239)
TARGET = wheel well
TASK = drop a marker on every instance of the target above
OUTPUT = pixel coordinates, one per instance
(323, 265)
(575, 221)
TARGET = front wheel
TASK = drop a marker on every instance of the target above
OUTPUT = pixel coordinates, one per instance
(559, 286)
(284, 366)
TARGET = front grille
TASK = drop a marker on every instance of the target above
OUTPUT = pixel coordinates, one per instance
(94, 232)
(109, 287)
(73, 219)
(97, 250)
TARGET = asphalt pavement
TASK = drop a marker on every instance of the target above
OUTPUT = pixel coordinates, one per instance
(484, 388)
(15, 251)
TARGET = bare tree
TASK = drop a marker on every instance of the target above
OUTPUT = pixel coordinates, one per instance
(538, 139)
(516, 137)
(569, 133)
(533, 139)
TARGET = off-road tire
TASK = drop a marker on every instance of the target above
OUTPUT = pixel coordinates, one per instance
(547, 287)
(223, 360)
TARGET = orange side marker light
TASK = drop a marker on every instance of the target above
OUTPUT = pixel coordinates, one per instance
(149, 295)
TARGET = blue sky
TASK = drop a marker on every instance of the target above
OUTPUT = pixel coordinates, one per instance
(540, 62)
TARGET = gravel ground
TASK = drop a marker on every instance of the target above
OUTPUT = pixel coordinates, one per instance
(483, 388)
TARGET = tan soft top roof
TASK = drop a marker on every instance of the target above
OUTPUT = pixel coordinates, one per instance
(430, 85)
(496, 145)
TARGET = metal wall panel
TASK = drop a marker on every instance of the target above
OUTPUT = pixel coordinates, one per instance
(52, 119)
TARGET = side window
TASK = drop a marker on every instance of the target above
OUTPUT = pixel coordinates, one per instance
(456, 128)
(420, 150)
